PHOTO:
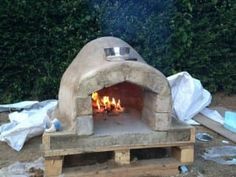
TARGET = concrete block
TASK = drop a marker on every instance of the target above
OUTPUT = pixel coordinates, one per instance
(156, 102)
(157, 121)
(84, 125)
(84, 106)
(114, 76)
(137, 77)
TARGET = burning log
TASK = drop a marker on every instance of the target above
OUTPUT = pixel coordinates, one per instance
(106, 105)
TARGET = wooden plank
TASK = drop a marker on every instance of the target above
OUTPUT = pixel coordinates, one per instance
(60, 133)
(162, 167)
(193, 133)
(215, 126)
(53, 166)
(46, 141)
(71, 151)
(68, 143)
(129, 139)
(65, 144)
(184, 154)
(122, 156)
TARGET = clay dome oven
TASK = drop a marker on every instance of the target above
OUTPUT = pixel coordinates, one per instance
(143, 91)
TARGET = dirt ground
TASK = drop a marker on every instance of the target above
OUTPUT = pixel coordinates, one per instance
(200, 168)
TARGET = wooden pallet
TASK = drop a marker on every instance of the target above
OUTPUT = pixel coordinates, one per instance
(179, 140)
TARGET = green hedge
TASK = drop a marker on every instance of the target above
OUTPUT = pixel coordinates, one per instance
(39, 39)
(206, 47)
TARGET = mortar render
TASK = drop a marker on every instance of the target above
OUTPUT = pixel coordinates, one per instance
(90, 72)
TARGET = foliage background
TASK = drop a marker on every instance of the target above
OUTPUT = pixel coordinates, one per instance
(39, 39)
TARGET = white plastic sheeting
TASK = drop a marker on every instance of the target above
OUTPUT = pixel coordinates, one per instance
(17, 106)
(26, 124)
(225, 155)
(188, 96)
(21, 169)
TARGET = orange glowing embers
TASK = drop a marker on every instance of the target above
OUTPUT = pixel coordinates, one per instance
(105, 105)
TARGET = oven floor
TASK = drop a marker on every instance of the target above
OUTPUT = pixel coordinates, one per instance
(125, 123)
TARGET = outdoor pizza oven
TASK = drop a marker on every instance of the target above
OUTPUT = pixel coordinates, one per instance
(109, 87)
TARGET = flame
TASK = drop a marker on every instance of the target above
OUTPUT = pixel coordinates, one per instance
(104, 104)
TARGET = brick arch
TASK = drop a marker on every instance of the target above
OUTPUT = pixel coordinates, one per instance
(137, 73)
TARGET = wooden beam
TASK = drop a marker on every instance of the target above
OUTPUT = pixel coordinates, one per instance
(122, 156)
(46, 141)
(184, 154)
(71, 151)
(53, 166)
(162, 167)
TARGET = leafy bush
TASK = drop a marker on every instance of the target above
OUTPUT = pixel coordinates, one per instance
(206, 42)
(38, 41)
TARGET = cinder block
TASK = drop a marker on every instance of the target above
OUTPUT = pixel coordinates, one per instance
(137, 77)
(157, 102)
(84, 106)
(84, 125)
(114, 76)
(157, 121)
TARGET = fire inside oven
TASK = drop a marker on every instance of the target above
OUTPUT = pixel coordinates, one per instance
(117, 108)
(117, 99)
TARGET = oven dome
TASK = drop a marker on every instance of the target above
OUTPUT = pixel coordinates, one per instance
(90, 71)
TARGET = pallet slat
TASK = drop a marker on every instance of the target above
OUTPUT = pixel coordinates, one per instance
(122, 156)
(56, 145)
(53, 166)
(185, 154)
(164, 167)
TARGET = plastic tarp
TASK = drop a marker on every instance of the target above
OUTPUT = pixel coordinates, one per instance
(17, 106)
(188, 96)
(26, 124)
(225, 155)
(22, 169)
